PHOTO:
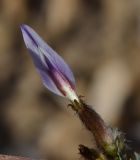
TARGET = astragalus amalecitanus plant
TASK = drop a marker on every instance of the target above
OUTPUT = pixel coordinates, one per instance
(58, 78)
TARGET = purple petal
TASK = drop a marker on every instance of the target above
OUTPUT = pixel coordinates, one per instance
(33, 40)
(48, 83)
(33, 48)
(43, 55)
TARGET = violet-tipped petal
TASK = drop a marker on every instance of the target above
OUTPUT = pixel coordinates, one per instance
(55, 73)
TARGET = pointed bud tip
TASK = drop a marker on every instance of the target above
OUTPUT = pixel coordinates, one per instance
(22, 27)
(28, 36)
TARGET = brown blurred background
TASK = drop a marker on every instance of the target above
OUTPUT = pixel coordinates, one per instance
(100, 40)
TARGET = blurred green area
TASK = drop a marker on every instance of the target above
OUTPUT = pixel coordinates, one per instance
(100, 40)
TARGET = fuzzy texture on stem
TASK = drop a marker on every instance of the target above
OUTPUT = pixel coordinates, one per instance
(102, 133)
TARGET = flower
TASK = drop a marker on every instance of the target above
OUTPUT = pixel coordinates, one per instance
(55, 73)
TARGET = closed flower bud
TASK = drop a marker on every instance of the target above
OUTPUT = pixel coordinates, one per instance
(55, 73)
